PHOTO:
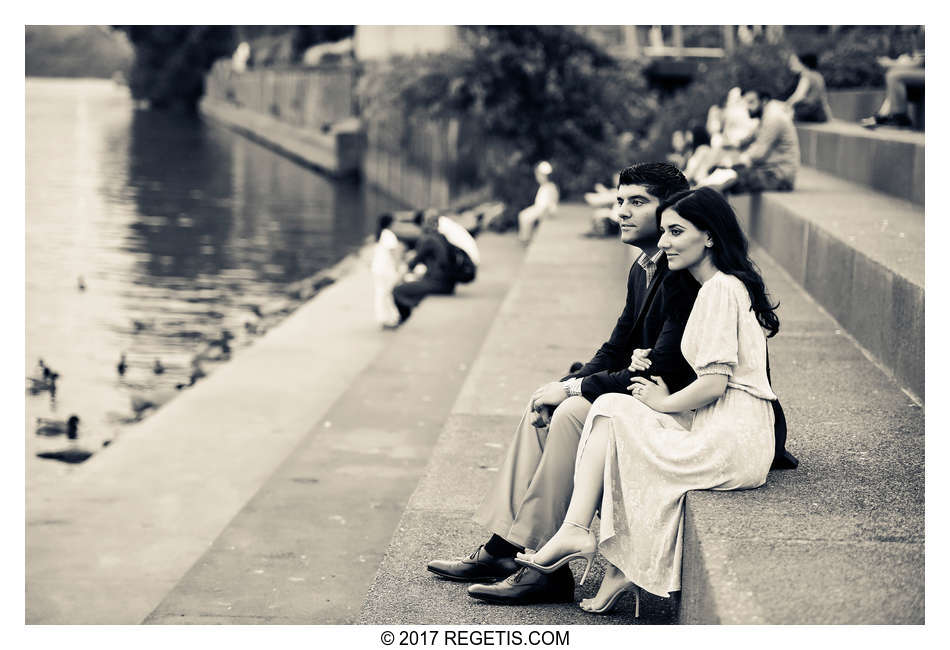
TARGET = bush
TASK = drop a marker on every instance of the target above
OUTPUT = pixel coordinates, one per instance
(171, 61)
(531, 93)
(847, 56)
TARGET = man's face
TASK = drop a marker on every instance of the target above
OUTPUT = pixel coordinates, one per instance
(753, 103)
(636, 209)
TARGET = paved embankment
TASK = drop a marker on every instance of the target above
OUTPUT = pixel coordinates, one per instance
(838, 540)
(561, 309)
(295, 446)
(306, 546)
(841, 538)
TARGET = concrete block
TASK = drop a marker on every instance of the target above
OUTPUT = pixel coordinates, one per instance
(855, 105)
(869, 319)
(894, 168)
(918, 193)
(829, 272)
(906, 334)
(886, 160)
(836, 583)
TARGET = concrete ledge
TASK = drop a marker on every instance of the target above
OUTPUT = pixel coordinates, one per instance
(549, 319)
(859, 254)
(337, 152)
(855, 105)
(841, 538)
(883, 159)
(105, 545)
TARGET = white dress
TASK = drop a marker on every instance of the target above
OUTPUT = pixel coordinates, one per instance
(654, 458)
(385, 277)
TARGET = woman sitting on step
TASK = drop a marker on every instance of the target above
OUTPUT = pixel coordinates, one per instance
(639, 454)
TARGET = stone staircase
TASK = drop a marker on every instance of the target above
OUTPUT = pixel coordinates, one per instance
(839, 540)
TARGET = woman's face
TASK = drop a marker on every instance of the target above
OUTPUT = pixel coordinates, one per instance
(685, 244)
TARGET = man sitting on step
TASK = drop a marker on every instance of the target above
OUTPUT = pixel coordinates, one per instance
(771, 162)
(529, 498)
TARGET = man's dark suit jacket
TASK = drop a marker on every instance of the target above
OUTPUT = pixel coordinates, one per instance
(655, 317)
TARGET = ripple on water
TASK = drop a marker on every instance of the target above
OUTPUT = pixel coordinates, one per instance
(176, 227)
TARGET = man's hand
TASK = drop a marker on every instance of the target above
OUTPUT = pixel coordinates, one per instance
(550, 394)
(639, 360)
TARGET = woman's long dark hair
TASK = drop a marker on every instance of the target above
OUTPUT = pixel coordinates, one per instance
(709, 211)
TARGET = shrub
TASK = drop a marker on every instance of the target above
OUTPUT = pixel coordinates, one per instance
(531, 93)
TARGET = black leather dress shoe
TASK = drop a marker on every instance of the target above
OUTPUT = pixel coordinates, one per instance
(527, 586)
(480, 566)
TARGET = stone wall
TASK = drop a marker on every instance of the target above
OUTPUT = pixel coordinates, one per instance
(310, 98)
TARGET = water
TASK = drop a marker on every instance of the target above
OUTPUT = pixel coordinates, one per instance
(178, 230)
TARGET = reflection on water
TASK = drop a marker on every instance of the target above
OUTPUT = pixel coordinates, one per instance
(177, 229)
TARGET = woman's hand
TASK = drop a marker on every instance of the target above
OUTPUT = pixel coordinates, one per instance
(640, 361)
(653, 395)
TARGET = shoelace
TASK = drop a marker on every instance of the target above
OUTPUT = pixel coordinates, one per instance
(475, 552)
(515, 578)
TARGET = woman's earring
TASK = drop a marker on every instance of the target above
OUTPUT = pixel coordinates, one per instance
(709, 244)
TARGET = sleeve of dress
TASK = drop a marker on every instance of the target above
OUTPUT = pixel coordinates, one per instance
(388, 240)
(717, 322)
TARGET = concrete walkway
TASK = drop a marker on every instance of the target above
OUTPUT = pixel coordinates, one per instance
(306, 444)
(560, 310)
(275, 490)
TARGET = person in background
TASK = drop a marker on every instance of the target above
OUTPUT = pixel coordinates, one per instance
(809, 101)
(681, 150)
(431, 269)
(905, 70)
(545, 202)
(771, 162)
(604, 221)
(738, 123)
(697, 167)
(387, 259)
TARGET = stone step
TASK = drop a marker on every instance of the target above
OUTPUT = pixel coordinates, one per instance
(840, 539)
(559, 310)
(855, 105)
(885, 159)
(859, 254)
(789, 552)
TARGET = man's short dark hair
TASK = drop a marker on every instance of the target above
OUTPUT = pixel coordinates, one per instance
(661, 179)
(809, 60)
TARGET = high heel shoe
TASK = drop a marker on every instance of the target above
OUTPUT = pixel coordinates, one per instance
(586, 553)
(615, 597)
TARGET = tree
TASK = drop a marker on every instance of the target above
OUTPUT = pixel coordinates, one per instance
(171, 61)
(528, 93)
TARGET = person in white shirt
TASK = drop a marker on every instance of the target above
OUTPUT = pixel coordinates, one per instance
(387, 258)
(545, 202)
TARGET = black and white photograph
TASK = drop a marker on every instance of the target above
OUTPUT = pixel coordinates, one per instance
(505, 331)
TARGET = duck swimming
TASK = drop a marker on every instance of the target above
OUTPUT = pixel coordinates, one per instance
(46, 381)
(123, 366)
(158, 368)
(71, 454)
(50, 428)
